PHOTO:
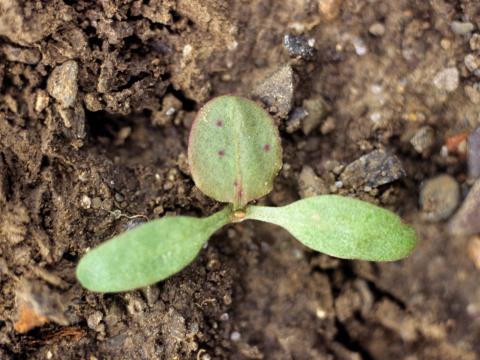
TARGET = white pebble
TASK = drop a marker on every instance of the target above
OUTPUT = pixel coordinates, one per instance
(235, 336)
(447, 79)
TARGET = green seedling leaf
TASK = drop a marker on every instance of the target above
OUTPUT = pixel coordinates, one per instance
(342, 227)
(148, 253)
(234, 150)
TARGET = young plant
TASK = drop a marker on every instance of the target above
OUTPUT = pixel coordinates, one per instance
(234, 155)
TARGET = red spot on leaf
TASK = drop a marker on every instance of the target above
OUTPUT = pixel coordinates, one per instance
(266, 147)
(219, 123)
(221, 152)
(238, 189)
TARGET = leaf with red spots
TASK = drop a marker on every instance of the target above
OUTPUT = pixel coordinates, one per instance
(234, 150)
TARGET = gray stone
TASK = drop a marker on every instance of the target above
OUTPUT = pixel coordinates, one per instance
(466, 220)
(473, 154)
(276, 91)
(373, 169)
(62, 83)
(439, 197)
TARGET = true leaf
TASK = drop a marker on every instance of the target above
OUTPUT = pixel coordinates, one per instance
(342, 227)
(234, 150)
(148, 253)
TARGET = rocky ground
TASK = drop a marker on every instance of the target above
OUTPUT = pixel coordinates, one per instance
(379, 100)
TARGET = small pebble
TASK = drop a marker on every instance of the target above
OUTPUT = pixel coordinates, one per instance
(224, 317)
(445, 44)
(227, 299)
(41, 101)
(447, 79)
(359, 45)
(328, 126)
(298, 46)
(85, 202)
(439, 197)
(475, 42)
(465, 221)
(473, 250)
(423, 139)
(62, 83)
(94, 320)
(320, 313)
(96, 203)
(461, 27)
(472, 62)
(473, 154)
(316, 111)
(377, 29)
(235, 336)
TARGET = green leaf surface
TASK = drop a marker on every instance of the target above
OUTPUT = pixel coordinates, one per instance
(234, 150)
(148, 253)
(342, 227)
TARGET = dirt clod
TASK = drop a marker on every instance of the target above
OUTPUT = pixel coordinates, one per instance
(309, 184)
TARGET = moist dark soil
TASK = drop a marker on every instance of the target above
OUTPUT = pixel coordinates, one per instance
(96, 102)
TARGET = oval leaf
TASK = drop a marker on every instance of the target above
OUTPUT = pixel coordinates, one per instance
(148, 253)
(342, 227)
(234, 150)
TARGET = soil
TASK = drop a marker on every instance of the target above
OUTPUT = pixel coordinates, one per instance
(96, 103)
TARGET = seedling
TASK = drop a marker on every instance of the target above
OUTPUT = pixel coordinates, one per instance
(234, 155)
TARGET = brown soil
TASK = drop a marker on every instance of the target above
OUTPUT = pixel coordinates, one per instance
(79, 167)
